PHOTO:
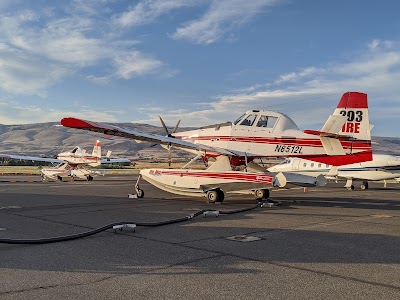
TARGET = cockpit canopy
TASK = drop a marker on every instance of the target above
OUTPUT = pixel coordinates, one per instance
(76, 150)
(266, 119)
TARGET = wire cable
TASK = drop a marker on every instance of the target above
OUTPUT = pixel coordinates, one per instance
(110, 226)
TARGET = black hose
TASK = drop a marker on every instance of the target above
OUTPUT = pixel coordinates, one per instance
(110, 226)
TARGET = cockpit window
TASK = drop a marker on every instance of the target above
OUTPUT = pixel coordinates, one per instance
(74, 150)
(272, 121)
(238, 119)
(286, 161)
(266, 122)
(249, 120)
(262, 121)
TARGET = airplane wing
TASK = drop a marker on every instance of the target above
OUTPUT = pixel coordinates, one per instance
(141, 136)
(115, 160)
(32, 158)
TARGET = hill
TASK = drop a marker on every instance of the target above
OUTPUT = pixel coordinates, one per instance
(47, 139)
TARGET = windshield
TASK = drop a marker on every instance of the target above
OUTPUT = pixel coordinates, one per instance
(238, 119)
(286, 161)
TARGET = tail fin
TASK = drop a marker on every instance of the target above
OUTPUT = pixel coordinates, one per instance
(97, 149)
(354, 106)
(346, 136)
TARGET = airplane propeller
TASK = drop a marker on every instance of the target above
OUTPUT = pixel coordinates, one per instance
(166, 129)
(169, 135)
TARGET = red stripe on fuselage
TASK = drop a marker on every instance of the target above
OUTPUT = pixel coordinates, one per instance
(338, 160)
(90, 158)
(316, 143)
(260, 178)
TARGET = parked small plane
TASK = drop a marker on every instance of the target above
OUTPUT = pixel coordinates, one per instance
(382, 167)
(72, 163)
(345, 138)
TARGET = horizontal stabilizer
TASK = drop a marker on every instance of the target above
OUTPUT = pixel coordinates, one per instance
(332, 146)
(334, 124)
(329, 135)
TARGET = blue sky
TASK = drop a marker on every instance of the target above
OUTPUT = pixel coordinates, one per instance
(205, 61)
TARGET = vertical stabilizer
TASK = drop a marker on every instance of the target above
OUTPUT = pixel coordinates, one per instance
(97, 149)
(346, 136)
(354, 106)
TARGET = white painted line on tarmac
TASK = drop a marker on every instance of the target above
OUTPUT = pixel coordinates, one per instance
(10, 207)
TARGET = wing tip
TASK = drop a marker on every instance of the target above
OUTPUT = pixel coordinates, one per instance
(75, 123)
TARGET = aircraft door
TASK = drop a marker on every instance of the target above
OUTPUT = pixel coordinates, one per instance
(243, 132)
(264, 125)
(296, 163)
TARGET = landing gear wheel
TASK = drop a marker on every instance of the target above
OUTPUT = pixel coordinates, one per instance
(350, 188)
(89, 178)
(221, 196)
(139, 193)
(261, 194)
(215, 196)
(59, 178)
(364, 185)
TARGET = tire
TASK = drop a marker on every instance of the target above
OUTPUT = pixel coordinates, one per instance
(261, 194)
(364, 185)
(221, 196)
(139, 193)
(350, 188)
(215, 196)
(212, 196)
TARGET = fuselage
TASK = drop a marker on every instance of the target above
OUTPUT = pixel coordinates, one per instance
(78, 156)
(382, 167)
(260, 133)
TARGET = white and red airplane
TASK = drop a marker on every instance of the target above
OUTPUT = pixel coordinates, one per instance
(72, 163)
(345, 138)
(382, 167)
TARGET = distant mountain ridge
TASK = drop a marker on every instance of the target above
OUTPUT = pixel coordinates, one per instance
(48, 139)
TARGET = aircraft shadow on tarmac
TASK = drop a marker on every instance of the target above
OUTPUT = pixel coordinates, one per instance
(291, 233)
(181, 249)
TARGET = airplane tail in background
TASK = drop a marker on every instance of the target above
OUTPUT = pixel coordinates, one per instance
(97, 149)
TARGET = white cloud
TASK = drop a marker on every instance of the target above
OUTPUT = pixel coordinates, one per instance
(148, 11)
(310, 95)
(221, 17)
(135, 64)
(377, 44)
(294, 76)
(21, 74)
(38, 50)
(12, 112)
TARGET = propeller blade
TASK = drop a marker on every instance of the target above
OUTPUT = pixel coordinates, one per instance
(169, 156)
(165, 126)
(176, 126)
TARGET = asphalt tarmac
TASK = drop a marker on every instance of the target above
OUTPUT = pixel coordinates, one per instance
(327, 243)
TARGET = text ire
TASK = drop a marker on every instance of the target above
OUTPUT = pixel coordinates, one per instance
(353, 127)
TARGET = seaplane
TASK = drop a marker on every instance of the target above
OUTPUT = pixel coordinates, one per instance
(381, 168)
(344, 138)
(73, 164)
